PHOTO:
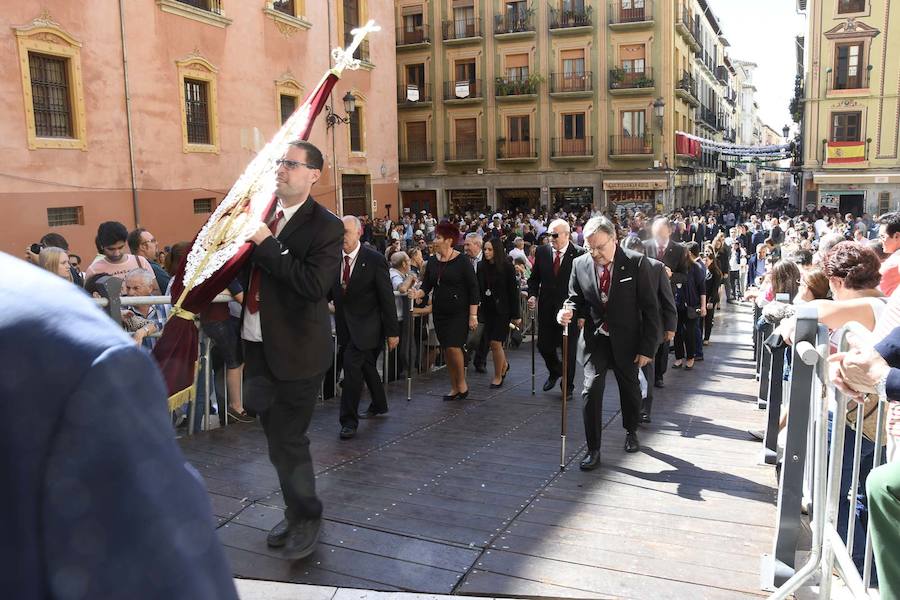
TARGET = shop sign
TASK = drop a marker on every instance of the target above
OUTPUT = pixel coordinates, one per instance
(646, 184)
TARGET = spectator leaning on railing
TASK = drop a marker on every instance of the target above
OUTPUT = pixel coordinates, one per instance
(865, 369)
(142, 320)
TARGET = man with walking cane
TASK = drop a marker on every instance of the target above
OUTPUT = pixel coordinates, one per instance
(619, 318)
(548, 287)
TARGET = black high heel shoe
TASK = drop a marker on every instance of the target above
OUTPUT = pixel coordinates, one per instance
(494, 386)
(462, 395)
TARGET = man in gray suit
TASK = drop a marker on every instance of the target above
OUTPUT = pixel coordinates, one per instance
(611, 295)
(669, 316)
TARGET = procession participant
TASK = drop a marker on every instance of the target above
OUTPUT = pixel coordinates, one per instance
(611, 297)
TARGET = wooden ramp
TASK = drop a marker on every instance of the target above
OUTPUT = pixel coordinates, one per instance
(467, 498)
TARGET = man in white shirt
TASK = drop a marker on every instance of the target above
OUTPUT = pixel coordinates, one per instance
(518, 250)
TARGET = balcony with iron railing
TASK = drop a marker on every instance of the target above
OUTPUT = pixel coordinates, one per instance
(518, 150)
(464, 151)
(461, 31)
(624, 82)
(578, 83)
(708, 116)
(630, 14)
(514, 24)
(686, 89)
(419, 35)
(684, 25)
(463, 91)
(213, 6)
(843, 84)
(631, 146)
(416, 153)
(362, 51)
(517, 88)
(572, 148)
(730, 135)
(412, 94)
(571, 20)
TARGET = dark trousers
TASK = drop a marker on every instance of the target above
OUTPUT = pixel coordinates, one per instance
(360, 366)
(397, 358)
(549, 344)
(285, 409)
(708, 322)
(661, 361)
(596, 364)
(650, 375)
(685, 336)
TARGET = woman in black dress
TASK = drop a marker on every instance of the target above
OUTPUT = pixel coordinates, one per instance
(451, 279)
(499, 303)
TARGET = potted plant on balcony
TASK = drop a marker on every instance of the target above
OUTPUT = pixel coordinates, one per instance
(643, 81)
(501, 87)
(616, 76)
(531, 85)
(648, 145)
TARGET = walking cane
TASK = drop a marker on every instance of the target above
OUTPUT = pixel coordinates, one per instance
(409, 352)
(533, 335)
(565, 387)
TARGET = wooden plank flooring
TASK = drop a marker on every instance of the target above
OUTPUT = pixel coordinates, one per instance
(467, 498)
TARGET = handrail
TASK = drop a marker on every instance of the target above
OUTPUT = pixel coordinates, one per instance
(829, 552)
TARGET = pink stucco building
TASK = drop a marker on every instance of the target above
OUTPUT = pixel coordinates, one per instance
(207, 83)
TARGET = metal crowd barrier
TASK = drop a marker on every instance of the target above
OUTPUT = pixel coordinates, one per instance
(813, 466)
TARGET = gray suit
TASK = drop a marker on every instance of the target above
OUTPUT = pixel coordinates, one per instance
(632, 318)
(660, 282)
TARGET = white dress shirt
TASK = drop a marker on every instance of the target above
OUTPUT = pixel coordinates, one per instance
(251, 330)
(353, 254)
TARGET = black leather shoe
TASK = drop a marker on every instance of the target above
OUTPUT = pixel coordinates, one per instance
(278, 535)
(302, 538)
(645, 417)
(659, 383)
(371, 414)
(480, 369)
(550, 383)
(590, 461)
(462, 395)
(347, 433)
(631, 442)
(494, 386)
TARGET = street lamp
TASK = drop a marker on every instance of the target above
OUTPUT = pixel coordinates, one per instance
(332, 118)
(786, 130)
(659, 110)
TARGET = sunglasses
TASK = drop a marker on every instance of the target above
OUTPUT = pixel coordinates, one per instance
(553, 235)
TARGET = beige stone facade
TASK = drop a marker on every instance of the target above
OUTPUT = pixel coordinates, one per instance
(851, 118)
(507, 104)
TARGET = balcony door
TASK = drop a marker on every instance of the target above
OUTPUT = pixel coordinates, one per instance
(573, 140)
(518, 141)
(415, 78)
(417, 141)
(464, 72)
(572, 70)
(847, 71)
(465, 140)
(413, 21)
(517, 67)
(631, 11)
(632, 131)
(463, 18)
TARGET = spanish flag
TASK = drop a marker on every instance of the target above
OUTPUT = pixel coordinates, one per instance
(846, 152)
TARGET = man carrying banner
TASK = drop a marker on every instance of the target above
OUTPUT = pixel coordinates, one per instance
(294, 263)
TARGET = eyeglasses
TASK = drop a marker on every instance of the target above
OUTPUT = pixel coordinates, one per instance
(290, 165)
(598, 249)
(553, 235)
(150, 241)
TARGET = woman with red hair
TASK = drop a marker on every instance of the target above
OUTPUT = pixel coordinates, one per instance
(451, 280)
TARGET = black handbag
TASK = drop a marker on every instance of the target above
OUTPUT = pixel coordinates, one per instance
(515, 337)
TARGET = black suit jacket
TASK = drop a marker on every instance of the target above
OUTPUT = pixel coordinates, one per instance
(672, 258)
(697, 233)
(298, 269)
(366, 312)
(632, 313)
(503, 299)
(664, 295)
(551, 290)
